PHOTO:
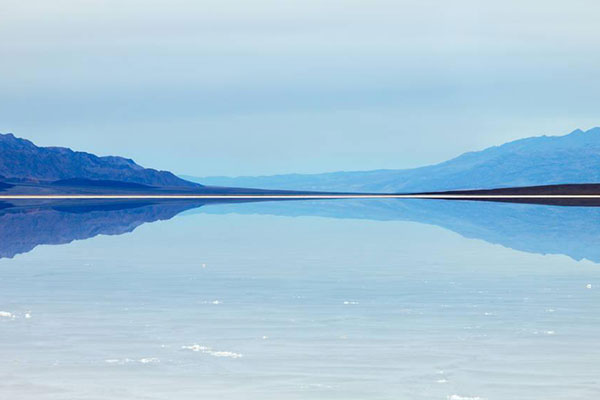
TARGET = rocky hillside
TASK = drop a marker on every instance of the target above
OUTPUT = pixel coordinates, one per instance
(21, 160)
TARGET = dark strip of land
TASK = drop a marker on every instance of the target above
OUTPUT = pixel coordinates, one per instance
(577, 194)
(581, 194)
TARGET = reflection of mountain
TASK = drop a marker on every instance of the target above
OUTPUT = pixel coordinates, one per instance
(572, 231)
(24, 227)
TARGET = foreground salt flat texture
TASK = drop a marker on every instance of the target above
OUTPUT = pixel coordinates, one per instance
(249, 306)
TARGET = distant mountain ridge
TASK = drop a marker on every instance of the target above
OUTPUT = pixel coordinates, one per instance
(541, 160)
(21, 160)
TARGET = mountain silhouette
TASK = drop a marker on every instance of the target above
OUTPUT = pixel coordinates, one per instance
(23, 161)
(543, 160)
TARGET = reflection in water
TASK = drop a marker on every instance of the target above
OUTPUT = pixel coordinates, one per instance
(27, 225)
(23, 227)
(255, 306)
(572, 231)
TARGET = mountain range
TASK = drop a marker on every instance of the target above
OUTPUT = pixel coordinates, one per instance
(23, 161)
(554, 160)
(542, 160)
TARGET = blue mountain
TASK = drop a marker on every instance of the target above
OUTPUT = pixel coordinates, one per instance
(542, 160)
(23, 161)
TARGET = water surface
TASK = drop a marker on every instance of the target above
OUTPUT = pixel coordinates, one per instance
(227, 302)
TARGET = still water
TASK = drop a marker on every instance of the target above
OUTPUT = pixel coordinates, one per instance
(229, 302)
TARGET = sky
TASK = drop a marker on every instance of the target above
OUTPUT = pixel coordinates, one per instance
(258, 87)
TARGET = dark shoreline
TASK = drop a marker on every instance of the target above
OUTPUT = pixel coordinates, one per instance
(83, 187)
(575, 189)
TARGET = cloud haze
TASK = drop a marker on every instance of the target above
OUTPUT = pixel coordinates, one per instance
(255, 87)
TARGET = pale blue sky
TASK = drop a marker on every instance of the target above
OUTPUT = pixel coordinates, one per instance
(261, 87)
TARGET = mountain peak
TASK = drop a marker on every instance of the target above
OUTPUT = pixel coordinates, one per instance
(580, 132)
(594, 130)
(9, 139)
